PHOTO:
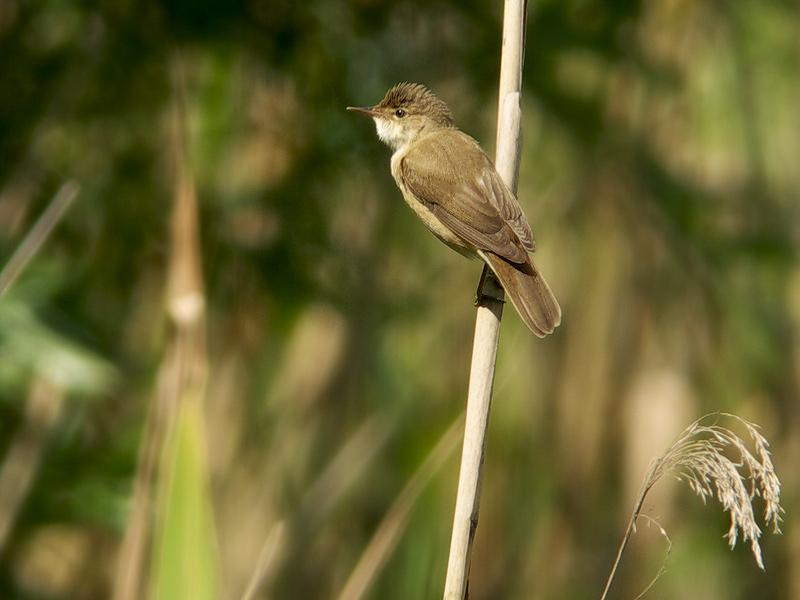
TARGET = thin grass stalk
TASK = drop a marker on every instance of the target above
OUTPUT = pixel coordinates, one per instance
(387, 535)
(44, 401)
(489, 314)
(38, 234)
(631, 528)
(346, 468)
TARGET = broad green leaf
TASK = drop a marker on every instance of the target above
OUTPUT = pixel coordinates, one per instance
(185, 553)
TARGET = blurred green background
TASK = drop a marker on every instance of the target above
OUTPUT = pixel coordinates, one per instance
(234, 368)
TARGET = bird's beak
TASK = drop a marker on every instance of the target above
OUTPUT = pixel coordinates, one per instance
(367, 110)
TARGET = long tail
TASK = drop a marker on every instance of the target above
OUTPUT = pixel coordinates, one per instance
(529, 293)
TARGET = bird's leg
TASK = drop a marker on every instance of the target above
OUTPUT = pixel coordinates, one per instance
(488, 288)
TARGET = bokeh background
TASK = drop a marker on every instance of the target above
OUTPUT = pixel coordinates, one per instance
(239, 362)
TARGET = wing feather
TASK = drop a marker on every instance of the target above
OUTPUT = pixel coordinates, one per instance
(455, 179)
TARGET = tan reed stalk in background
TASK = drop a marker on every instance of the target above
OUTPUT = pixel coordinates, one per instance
(324, 494)
(43, 409)
(387, 535)
(182, 374)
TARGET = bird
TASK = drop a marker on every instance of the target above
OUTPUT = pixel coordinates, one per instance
(452, 185)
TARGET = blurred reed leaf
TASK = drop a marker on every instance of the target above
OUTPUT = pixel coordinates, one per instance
(29, 347)
(185, 556)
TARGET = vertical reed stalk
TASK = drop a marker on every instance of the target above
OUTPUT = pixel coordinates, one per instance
(490, 312)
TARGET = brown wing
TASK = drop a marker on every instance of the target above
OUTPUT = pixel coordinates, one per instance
(508, 207)
(455, 179)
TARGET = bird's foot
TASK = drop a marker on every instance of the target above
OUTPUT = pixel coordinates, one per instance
(488, 288)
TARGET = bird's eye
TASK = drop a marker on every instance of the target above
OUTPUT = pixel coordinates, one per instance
(399, 113)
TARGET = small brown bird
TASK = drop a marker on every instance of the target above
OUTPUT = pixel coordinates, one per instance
(450, 183)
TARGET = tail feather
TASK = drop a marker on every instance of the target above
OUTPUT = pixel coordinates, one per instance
(528, 292)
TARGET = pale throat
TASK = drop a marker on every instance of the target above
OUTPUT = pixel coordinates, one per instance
(393, 133)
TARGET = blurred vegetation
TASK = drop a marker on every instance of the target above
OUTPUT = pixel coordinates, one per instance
(326, 335)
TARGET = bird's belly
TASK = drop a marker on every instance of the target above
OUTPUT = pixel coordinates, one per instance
(435, 225)
(426, 215)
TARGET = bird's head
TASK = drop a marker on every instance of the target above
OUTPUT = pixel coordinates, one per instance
(407, 110)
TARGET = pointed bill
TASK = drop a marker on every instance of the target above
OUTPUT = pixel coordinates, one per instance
(367, 110)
